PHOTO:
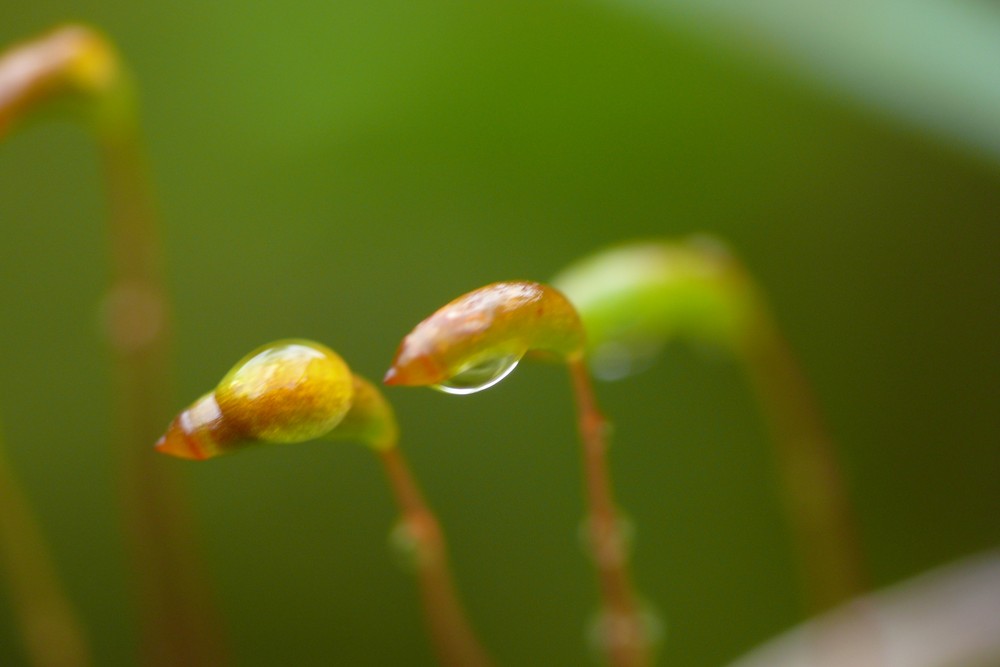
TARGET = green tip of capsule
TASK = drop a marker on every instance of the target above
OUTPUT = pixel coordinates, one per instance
(370, 420)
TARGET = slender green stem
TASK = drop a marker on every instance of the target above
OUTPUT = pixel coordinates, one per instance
(623, 629)
(52, 633)
(454, 641)
(815, 490)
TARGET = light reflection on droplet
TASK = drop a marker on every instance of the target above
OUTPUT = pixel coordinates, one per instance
(479, 376)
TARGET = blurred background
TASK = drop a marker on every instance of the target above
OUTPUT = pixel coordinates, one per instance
(338, 170)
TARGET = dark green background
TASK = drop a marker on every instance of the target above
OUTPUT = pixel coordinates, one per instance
(338, 170)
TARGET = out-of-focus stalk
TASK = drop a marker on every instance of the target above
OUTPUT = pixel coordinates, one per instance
(52, 633)
(75, 65)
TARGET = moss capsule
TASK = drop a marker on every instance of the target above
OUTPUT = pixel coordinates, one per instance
(635, 297)
(478, 338)
(285, 392)
(71, 60)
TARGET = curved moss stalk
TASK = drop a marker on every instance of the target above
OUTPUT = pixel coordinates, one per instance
(816, 495)
(52, 632)
(476, 340)
(296, 390)
(633, 298)
(75, 65)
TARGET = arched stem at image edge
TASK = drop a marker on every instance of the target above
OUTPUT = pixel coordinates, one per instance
(177, 620)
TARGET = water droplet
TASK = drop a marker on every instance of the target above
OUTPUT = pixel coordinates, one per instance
(481, 375)
(405, 546)
(610, 632)
(416, 542)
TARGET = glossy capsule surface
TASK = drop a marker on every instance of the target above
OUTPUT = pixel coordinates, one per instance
(483, 334)
(285, 392)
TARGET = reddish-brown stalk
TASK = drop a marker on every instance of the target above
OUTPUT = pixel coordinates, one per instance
(455, 643)
(622, 628)
(178, 623)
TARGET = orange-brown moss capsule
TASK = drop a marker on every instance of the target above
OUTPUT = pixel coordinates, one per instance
(478, 338)
(285, 392)
(72, 60)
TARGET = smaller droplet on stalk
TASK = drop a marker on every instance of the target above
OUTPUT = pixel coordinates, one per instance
(479, 376)
(405, 546)
(610, 632)
(413, 542)
(612, 547)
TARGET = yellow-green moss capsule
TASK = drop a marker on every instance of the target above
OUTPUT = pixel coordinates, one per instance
(477, 339)
(285, 392)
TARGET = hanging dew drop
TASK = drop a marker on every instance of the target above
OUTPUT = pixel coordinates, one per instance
(479, 376)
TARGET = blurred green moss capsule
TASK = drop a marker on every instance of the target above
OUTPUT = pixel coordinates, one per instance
(633, 298)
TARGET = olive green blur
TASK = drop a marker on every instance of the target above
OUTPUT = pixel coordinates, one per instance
(337, 170)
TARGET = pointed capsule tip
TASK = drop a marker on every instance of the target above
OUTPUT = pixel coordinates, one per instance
(175, 443)
(391, 376)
